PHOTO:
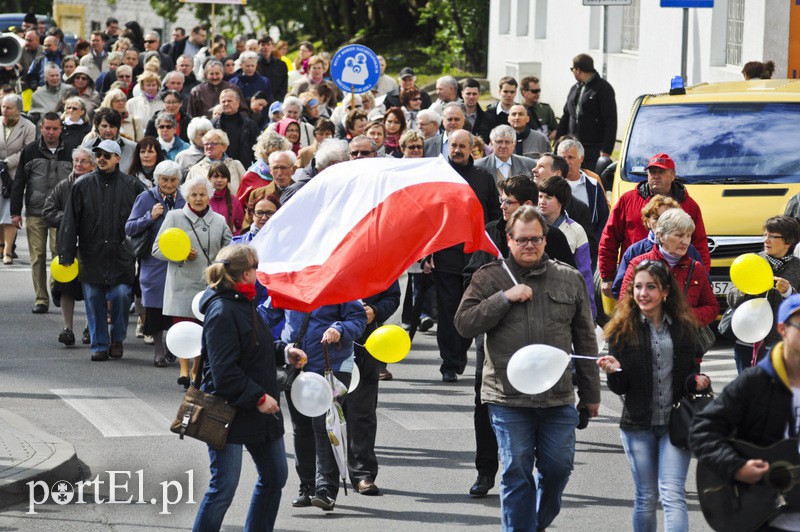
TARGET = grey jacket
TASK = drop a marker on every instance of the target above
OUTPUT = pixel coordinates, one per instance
(559, 314)
(185, 278)
(519, 166)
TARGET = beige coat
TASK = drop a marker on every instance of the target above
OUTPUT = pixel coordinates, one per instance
(21, 135)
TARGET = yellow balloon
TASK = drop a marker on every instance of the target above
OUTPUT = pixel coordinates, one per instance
(752, 274)
(63, 274)
(174, 243)
(389, 344)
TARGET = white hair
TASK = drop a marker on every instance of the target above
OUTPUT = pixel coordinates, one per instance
(199, 124)
(248, 56)
(287, 153)
(167, 168)
(503, 131)
(292, 100)
(430, 115)
(564, 145)
(330, 152)
(192, 182)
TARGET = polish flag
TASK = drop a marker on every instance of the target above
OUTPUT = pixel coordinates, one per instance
(358, 225)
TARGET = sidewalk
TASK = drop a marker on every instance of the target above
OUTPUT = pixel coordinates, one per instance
(29, 454)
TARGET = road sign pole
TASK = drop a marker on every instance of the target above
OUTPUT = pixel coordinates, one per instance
(685, 44)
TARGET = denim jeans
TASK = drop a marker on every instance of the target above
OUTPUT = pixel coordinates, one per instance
(533, 437)
(226, 466)
(95, 297)
(659, 469)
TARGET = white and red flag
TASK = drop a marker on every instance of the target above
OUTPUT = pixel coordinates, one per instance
(357, 226)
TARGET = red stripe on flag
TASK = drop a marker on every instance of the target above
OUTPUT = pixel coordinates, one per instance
(409, 224)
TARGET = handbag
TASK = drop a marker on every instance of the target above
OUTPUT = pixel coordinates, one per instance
(705, 335)
(724, 327)
(141, 245)
(203, 416)
(683, 412)
(286, 374)
(6, 181)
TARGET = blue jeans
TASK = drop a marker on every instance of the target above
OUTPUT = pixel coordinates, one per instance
(659, 469)
(95, 297)
(528, 437)
(226, 466)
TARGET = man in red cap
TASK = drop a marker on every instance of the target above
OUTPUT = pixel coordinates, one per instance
(624, 226)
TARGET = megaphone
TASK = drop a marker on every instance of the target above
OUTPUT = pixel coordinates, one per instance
(10, 49)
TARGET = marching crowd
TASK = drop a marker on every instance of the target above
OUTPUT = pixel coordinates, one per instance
(125, 139)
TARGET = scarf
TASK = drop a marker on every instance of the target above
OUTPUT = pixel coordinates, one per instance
(166, 146)
(148, 174)
(261, 168)
(246, 289)
(280, 129)
(68, 122)
(169, 200)
(521, 140)
(671, 259)
(150, 98)
(778, 263)
(392, 140)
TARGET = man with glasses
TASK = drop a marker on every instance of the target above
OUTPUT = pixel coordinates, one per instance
(542, 117)
(503, 162)
(152, 43)
(42, 164)
(94, 223)
(428, 123)
(530, 299)
(362, 147)
(262, 211)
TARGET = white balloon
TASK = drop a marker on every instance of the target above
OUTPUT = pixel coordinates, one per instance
(311, 394)
(536, 368)
(601, 338)
(752, 320)
(196, 306)
(355, 378)
(184, 339)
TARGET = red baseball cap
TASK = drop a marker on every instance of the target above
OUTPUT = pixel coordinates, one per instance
(661, 160)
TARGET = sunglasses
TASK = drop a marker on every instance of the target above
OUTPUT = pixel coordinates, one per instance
(73, 108)
(362, 153)
(534, 91)
(105, 155)
(414, 147)
(151, 41)
(165, 126)
(655, 264)
(83, 78)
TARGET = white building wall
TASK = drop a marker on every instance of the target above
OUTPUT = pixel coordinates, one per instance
(138, 10)
(572, 28)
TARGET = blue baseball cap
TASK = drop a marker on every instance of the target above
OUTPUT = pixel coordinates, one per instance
(276, 107)
(789, 306)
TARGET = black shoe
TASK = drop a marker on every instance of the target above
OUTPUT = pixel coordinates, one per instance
(66, 337)
(86, 339)
(449, 376)
(99, 356)
(39, 309)
(116, 350)
(323, 500)
(481, 487)
(160, 361)
(170, 357)
(425, 324)
(303, 499)
(184, 381)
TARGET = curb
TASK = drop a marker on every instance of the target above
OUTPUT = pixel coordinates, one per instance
(31, 455)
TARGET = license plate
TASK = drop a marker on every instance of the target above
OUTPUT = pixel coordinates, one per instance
(721, 288)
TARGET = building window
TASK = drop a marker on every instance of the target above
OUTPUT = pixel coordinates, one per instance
(95, 25)
(630, 27)
(734, 33)
(523, 16)
(505, 17)
(540, 20)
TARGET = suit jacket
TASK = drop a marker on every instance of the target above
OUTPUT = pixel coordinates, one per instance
(433, 146)
(520, 165)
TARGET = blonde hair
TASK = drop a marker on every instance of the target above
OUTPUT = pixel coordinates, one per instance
(268, 142)
(230, 265)
(148, 76)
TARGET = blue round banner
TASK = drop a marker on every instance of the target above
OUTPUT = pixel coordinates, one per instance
(355, 67)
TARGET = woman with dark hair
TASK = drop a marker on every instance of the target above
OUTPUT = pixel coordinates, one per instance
(376, 131)
(173, 101)
(411, 101)
(652, 361)
(781, 233)
(304, 53)
(146, 157)
(241, 363)
(324, 129)
(223, 202)
(395, 123)
(758, 70)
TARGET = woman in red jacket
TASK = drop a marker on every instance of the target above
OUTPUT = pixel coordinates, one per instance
(673, 236)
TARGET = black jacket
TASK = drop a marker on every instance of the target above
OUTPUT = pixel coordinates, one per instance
(556, 247)
(453, 259)
(756, 407)
(38, 172)
(278, 75)
(240, 363)
(483, 124)
(635, 381)
(384, 304)
(72, 135)
(94, 220)
(242, 133)
(597, 124)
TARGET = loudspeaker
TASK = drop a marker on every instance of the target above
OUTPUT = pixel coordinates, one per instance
(10, 49)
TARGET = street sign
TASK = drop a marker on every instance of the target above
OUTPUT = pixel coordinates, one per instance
(687, 3)
(606, 2)
(355, 68)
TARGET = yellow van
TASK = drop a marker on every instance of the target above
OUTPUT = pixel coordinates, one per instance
(736, 147)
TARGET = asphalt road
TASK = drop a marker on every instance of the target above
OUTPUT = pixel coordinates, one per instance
(116, 414)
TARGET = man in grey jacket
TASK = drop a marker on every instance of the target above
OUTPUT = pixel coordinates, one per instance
(531, 299)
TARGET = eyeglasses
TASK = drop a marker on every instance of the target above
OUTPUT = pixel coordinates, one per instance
(84, 78)
(534, 240)
(770, 237)
(150, 41)
(572, 69)
(254, 266)
(792, 324)
(210, 144)
(279, 167)
(360, 153)
(508, 202)
(263, 214)
(165, 126)
(71, 108)
(534, 91)
(414, 147)
(104, 155)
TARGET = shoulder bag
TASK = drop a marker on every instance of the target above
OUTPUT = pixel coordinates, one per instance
(705, 336)
(683, 412)
(141, 245)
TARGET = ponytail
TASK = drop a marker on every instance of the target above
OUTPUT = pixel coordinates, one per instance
(230, 265)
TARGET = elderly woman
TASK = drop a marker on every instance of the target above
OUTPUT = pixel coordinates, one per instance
(223, 202)
(781, 233)
(124, 76)
(654, 208)
(81, 79)
(148, 214)
(141, 108)
(324, 129)
(69, 64)
(673, 236)
(117, 100)
(215, 142)
(290, 128)
(411, 144)
(208, 233)
(76, 123)
(147, 156)
(173, 103)
(293, 108)
(167, 138)
(258, 175)
(17, 133)
(395, 123)
(192, 155)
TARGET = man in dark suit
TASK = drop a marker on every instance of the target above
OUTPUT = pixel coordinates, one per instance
(453, 119)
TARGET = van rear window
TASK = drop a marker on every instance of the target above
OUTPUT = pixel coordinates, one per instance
(718, 143)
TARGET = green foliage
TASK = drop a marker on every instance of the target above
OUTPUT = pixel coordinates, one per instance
(460, 31)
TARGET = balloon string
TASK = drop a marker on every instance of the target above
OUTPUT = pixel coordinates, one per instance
(591, 358)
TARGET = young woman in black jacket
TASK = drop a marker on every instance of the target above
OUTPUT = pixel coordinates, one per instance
(240, 367)
(651, 362)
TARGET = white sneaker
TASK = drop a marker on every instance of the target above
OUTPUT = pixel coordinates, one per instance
(149, 340)
(140, 328)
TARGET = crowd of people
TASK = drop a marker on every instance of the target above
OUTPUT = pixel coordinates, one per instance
(126, 139)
